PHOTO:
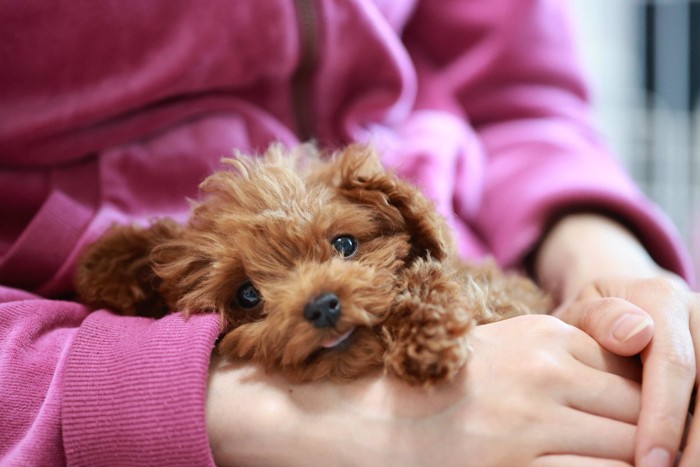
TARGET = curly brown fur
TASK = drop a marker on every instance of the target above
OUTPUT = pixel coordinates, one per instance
(116, 272)
(266, 248)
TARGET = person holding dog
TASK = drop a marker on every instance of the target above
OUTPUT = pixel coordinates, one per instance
(114, 111)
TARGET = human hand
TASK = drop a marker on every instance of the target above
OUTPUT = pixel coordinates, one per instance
(622, 315)
(536, 392)
(602, 275)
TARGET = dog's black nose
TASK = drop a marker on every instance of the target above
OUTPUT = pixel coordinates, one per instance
(323, 311)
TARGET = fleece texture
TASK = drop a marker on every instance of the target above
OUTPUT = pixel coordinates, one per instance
(114, 111)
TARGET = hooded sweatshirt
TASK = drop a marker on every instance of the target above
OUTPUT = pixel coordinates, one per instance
(114, 111)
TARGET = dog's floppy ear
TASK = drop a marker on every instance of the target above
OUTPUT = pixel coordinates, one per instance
(186, 268)
(197, 268)
(364, 180)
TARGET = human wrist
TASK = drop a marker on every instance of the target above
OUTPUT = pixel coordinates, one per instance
(247, 415)
(259, 418)
(581, 248)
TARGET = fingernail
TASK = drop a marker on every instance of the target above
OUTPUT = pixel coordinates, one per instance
(657, 457)
(629, 326)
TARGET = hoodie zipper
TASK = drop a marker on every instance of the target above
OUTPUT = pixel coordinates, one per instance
(302, 102)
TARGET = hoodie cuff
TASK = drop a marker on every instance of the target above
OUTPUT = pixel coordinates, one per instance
(135, 391)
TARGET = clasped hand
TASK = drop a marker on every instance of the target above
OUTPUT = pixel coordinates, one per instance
(658, 318)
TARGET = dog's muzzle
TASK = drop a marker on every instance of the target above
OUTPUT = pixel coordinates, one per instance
(323, 311)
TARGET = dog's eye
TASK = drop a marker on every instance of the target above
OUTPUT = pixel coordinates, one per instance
(248, 296)
(346, 245)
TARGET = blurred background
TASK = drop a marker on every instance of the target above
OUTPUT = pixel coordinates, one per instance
(643, 61)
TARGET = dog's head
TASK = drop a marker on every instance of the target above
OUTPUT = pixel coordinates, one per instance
(300, 255)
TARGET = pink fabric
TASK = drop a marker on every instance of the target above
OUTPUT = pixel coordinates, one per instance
(98, 389)
(113, 111)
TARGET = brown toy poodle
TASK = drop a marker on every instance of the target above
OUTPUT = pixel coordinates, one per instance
(319, 267)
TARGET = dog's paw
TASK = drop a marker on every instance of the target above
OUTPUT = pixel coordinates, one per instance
(430, 350)
(428, 327)
(116, 271)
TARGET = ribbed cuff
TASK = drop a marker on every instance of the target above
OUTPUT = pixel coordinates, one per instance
(135, 391)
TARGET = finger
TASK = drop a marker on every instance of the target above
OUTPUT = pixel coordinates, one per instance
(686, 434)
(618, 325)
(583, 434)
(584, 349)
(670, 366)
(606, 395)
(691, 448)
(576, 461)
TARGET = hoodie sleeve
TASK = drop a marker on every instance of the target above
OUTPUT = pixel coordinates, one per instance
(98, 389)
(511, 68)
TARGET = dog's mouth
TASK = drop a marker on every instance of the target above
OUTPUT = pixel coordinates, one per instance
(334, 344)
(339, 342)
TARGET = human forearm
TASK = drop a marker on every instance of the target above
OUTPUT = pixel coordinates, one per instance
(258, 418)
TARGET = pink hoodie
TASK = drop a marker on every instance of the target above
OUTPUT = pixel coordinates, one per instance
(114, 111)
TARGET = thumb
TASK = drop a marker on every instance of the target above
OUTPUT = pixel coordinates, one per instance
(616, 324)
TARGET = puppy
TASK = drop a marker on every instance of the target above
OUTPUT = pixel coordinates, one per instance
(318, 267)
